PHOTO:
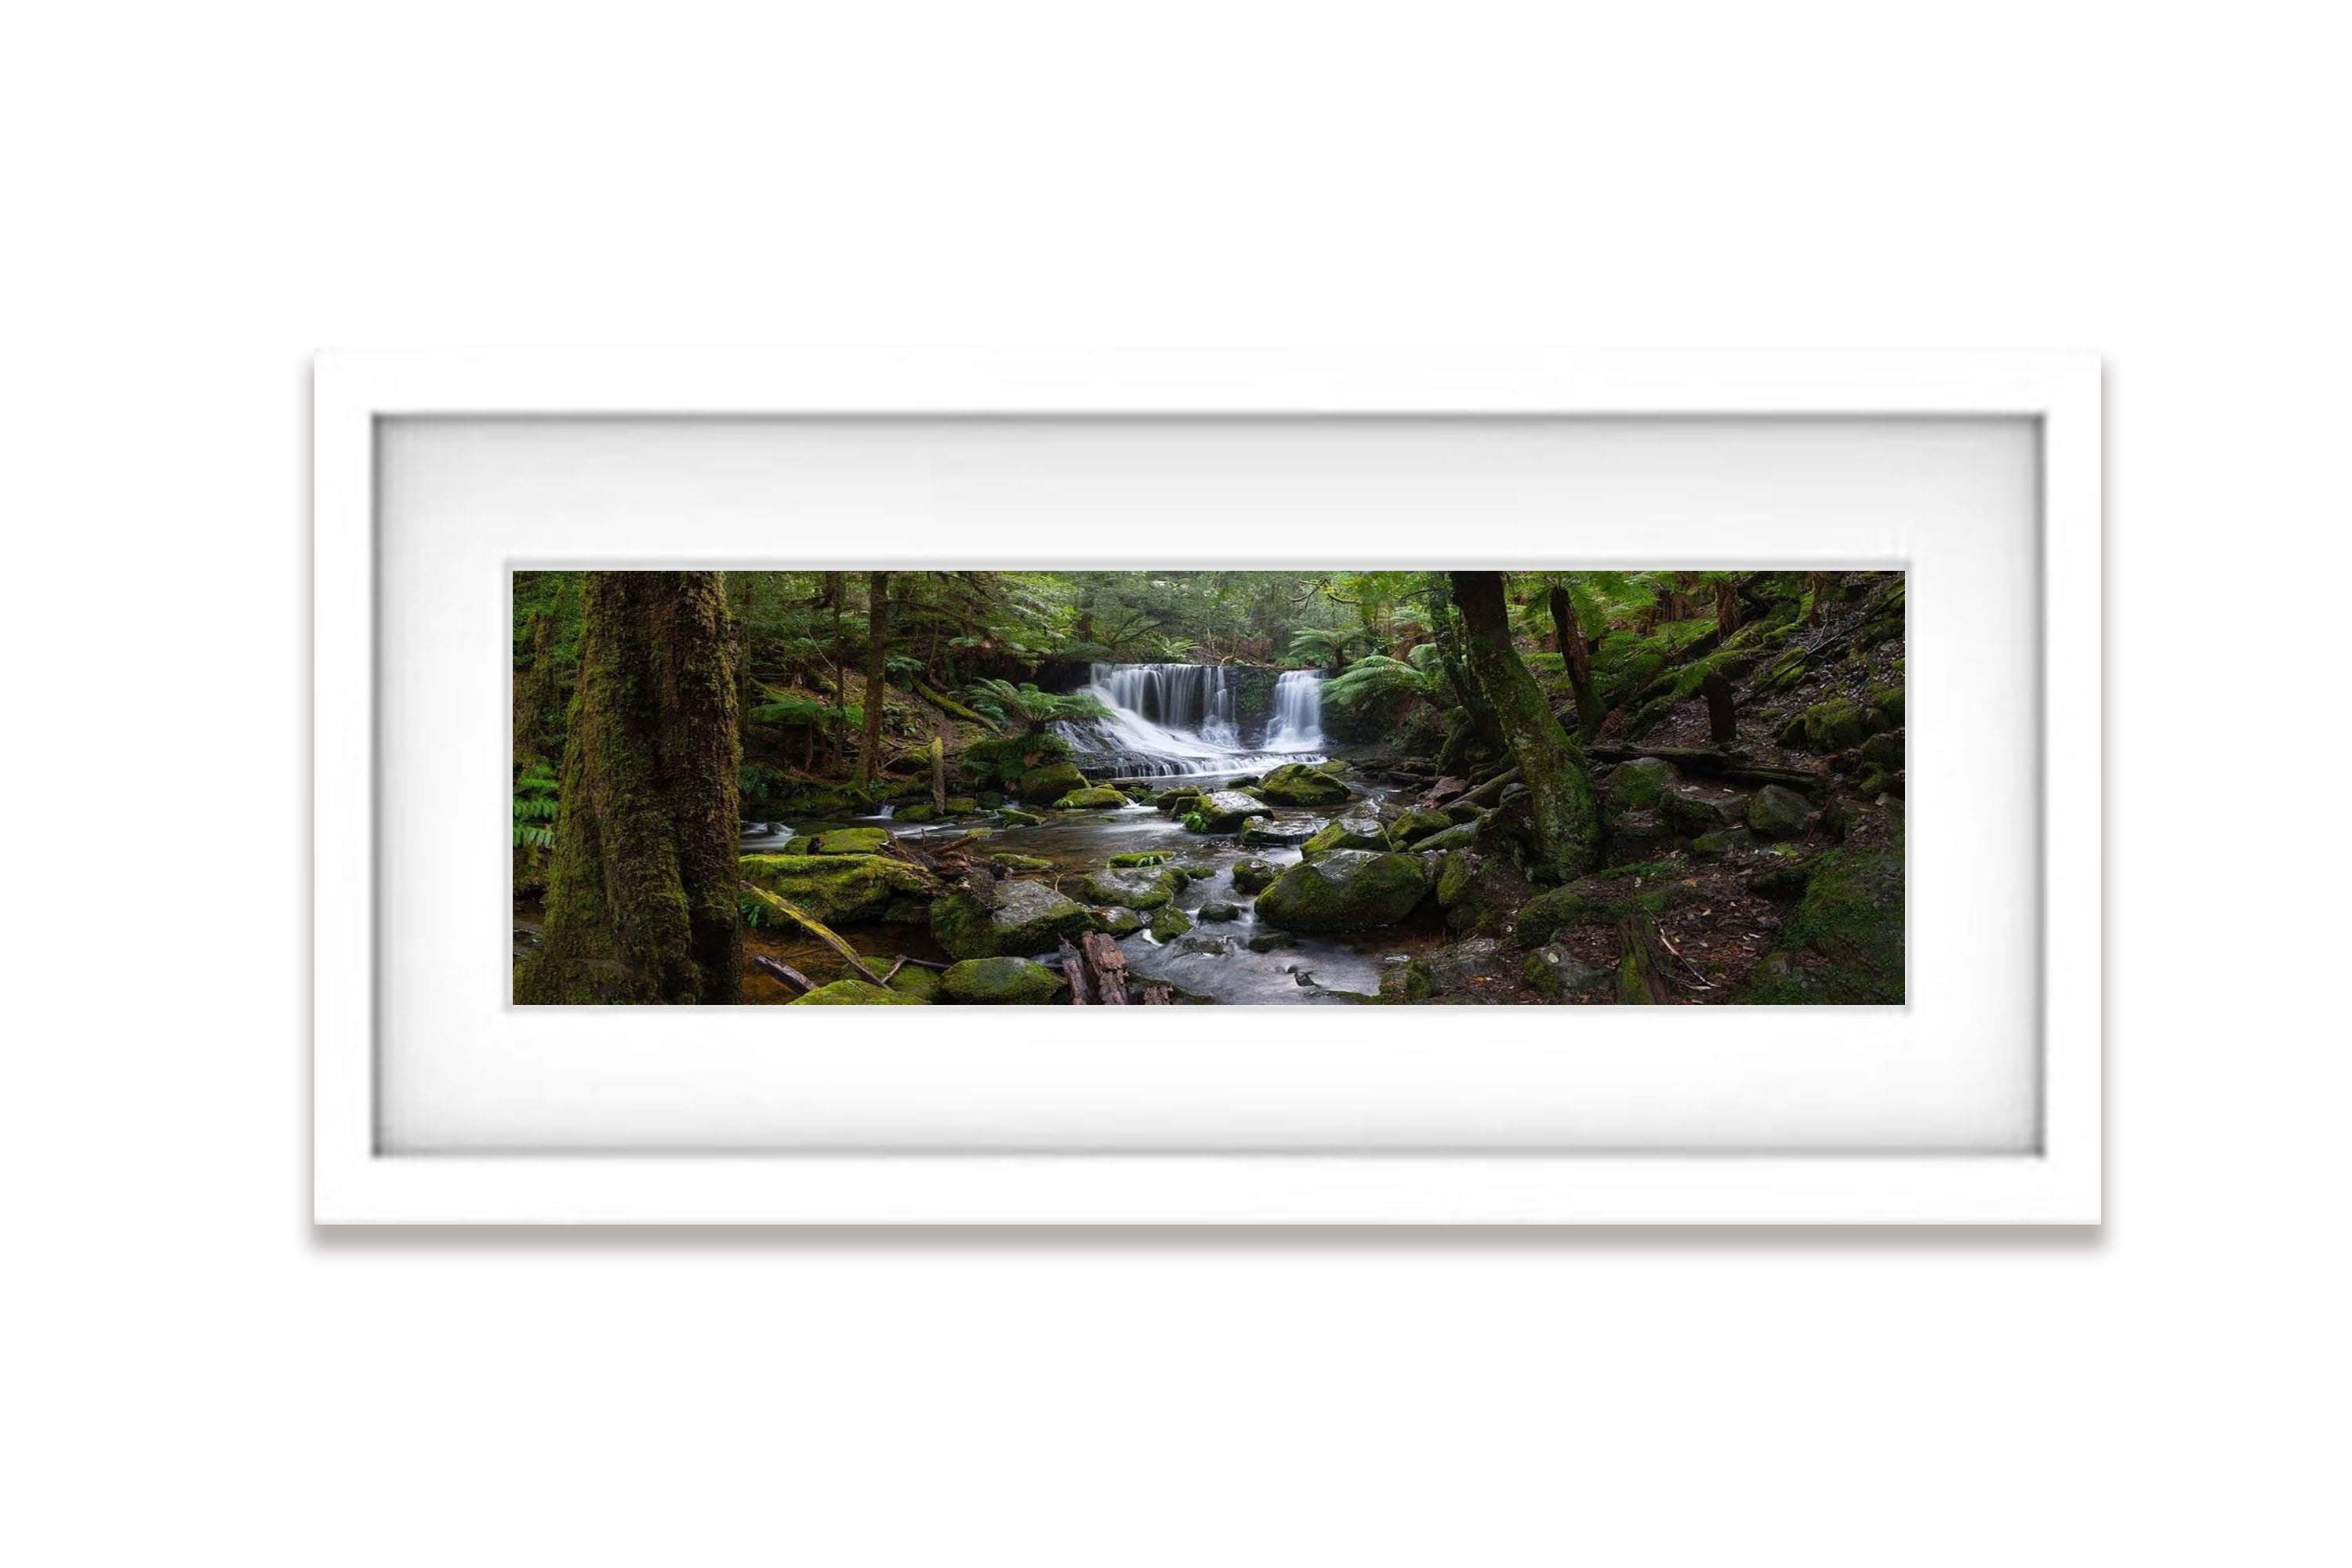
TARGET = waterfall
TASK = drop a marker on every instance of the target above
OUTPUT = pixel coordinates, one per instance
(1297, 713)
(1180, 718)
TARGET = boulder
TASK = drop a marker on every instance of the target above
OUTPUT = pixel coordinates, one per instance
(1780, 811)
(1346, 889)
(1356, 830)
(1844, 944)
(1884, 752)
(917, 982)
(1415, 825)
(1170, 922)
(1480, 893)
(1445, 792)
(1018, 982)
(1834, 725)
(1117, 922)
(1636, 838)
(1143, 858)
(1254, 875)
(1460, 835)
(1272, 941)
(1554, 971)
(918, 814)
(1689, 810)
(1028, 918)
(1020, 862)
(1298, 784)
(1196, 870)
(1266, 832)
(845, 889)
(1601, 900)
(1722, 842)
(1100, 797)
(1220, 912)
(1336, 767)
(1176, 802)
(1051, 781)
(1223, 811)
(1636, 785)
(1014, 818)
(850, 841)
(853, 994)
(1140, 888)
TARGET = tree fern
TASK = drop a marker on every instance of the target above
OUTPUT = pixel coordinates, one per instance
(1376, 681)
(534, 807)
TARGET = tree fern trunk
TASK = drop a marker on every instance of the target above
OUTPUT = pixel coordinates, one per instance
(1577, 655)
(877, 668)
(641, 902)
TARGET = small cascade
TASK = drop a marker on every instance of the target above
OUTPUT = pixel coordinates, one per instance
(1178, 720)
(886, 810)
(1297, 713)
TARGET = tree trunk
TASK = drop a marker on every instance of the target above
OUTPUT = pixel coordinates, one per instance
(1577, 654)
(641, 904)
(1566, 819)
(938, 775)
(1822, 581)
(1722, 711)
(877, 668)
(1459, 674)
(1726, 606)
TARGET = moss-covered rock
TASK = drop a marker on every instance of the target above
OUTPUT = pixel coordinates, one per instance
(1143, 858)
(1552, 971)
(1170, 922)
(1415, 825)
(1635, 785)
(1778, 812)
(1178, 799)
(1347, 890)
(1844, 944)
(1884, 752)
(1051, 781)
(1113, 921)
(855, 993)
(961, 805)
(850, 841)
(1602, 901)
(1194, 870)
(1835, 725)
(1100, 797)
(918, 814)
(1636, 838)
(1217, 911)
(1460, 835)
(1724, 841)
(841, 890)
(1002, 760)
(1254, 875)
(1020, 862)
(1014, 818)
(1689, 811)
(1266, 832)
(1356, 830)
(1480, 893)
(1299, 784)
(1139, 888)
(1028, 918)
(1223, 811)
(1272, 941)
(917, 982)
(1017, 982)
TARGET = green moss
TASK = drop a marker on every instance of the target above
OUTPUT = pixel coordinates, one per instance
(1143, 887)
(1253, 875)
(855, 993)
(839, 889)
(849, 841)
(1170, 922)
(1851, 916)
(1347, 890)
(1298, 784)
(1834, 725)
(1635, 785)
(1113, 921)
(1017, 819)
(1020, 862)
(1051, 782)
(1100, 797)
(1000, 981)
(1028, 918)
(1415, 824)
(1362, 831)
(1143, 858)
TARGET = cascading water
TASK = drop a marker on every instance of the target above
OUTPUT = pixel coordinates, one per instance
(1179, 720)
(1297, 713)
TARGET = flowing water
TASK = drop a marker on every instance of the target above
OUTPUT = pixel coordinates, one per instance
(1178, 721)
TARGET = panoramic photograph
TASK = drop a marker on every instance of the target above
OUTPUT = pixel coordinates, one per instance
(1199, 787)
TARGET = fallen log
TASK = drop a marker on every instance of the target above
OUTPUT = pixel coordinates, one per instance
(815, 928)
(783, 971)
(1159, 996)
(1075, 975)
(1641, 973)
(1106, 968)
(1490, 792)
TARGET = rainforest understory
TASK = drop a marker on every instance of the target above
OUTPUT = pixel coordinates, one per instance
(1131, 788)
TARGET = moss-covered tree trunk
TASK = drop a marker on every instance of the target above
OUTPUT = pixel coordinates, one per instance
(1566, 818)
(1577, 655)
(641, 900)
(878, 670)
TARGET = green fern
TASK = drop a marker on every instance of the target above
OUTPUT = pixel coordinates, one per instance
(534, 807)
(1375, 681)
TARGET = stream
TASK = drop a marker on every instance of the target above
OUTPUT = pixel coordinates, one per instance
(1175, 720)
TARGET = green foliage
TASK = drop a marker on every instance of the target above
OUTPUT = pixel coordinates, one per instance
(534, 807)
(1377, 681)
(1026, 708)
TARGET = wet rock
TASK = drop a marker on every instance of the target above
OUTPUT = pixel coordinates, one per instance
(1117, 922)
(1215, 946)
(1835, 725)
(1178, 800)
(1017, 982)
(1029, 918)
(1636, 838)
(1272, 941)
(1220, 912)
(1778, 812)
(1223, 811)
(1268, 833)
(1170, 922)
(1346, 889)
(1460, 835)
(1020, 862)
(1480, 893)
(1885, 752)
(1297, 784)
(1101, 797)
(850, 841)
(1014, 818)
(1143, 858)
(1360, 830)
(1254, 875)
(1722, 842)
(1142, 888)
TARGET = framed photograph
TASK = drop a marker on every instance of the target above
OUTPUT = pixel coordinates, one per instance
(1529, 789)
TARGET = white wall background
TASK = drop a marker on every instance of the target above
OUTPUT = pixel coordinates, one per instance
(197, 196)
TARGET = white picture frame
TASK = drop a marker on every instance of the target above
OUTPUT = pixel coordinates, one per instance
(2055, 1179)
